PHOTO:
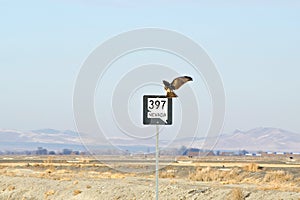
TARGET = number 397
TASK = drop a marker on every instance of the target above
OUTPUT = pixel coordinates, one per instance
(156, 104)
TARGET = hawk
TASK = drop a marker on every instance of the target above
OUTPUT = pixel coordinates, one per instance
(175, 85)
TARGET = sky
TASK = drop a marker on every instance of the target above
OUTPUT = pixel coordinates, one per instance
(255, 46)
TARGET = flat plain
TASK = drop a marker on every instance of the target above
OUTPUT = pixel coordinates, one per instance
(133, 177)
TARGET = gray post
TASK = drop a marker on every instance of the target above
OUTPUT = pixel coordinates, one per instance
(156, 163)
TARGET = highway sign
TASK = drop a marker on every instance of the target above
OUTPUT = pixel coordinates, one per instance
(157, 110)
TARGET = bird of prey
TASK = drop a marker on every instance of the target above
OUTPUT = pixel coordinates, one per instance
(175, 85)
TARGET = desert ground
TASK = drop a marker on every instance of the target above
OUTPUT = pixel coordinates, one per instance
(121, 177)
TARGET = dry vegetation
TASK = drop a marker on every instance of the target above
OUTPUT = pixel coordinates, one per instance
(235, 194)
(167, 172)
(252, 167)
(250, 174)
(235, 178)
(50, 171)
(208, 174)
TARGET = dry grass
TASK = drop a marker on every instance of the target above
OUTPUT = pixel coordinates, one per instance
(75, 182)
(270, 180)
(49, 171)
(238, 175)
(11, 188)
(235, 194)
(209, 174)
(278, 176)
(49, 160)
(280, 187)
(88, 187)
(165, 174)
(76, 192)
(285, 179)
(280, 180)
(168, 172)
(49, 193)
(252, 167)
(110, 175)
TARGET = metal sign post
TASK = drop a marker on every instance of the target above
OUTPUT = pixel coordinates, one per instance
(157, 110)
(156, 162)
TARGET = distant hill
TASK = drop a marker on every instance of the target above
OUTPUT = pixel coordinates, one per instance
(30, 140)
(264, 139)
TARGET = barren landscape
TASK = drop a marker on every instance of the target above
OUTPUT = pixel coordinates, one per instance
(82, 177)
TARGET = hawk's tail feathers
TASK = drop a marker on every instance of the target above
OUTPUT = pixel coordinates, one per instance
(171, 95)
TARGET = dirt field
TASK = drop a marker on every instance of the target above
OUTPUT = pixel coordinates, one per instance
(207, 178)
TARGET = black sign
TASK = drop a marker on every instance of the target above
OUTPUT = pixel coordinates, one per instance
(157, 110)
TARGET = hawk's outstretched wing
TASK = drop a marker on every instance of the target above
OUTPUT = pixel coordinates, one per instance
(178, 82)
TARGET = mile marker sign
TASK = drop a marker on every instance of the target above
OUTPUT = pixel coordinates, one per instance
(157, 110)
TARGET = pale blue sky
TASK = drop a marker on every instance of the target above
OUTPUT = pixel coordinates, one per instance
(254, 45)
